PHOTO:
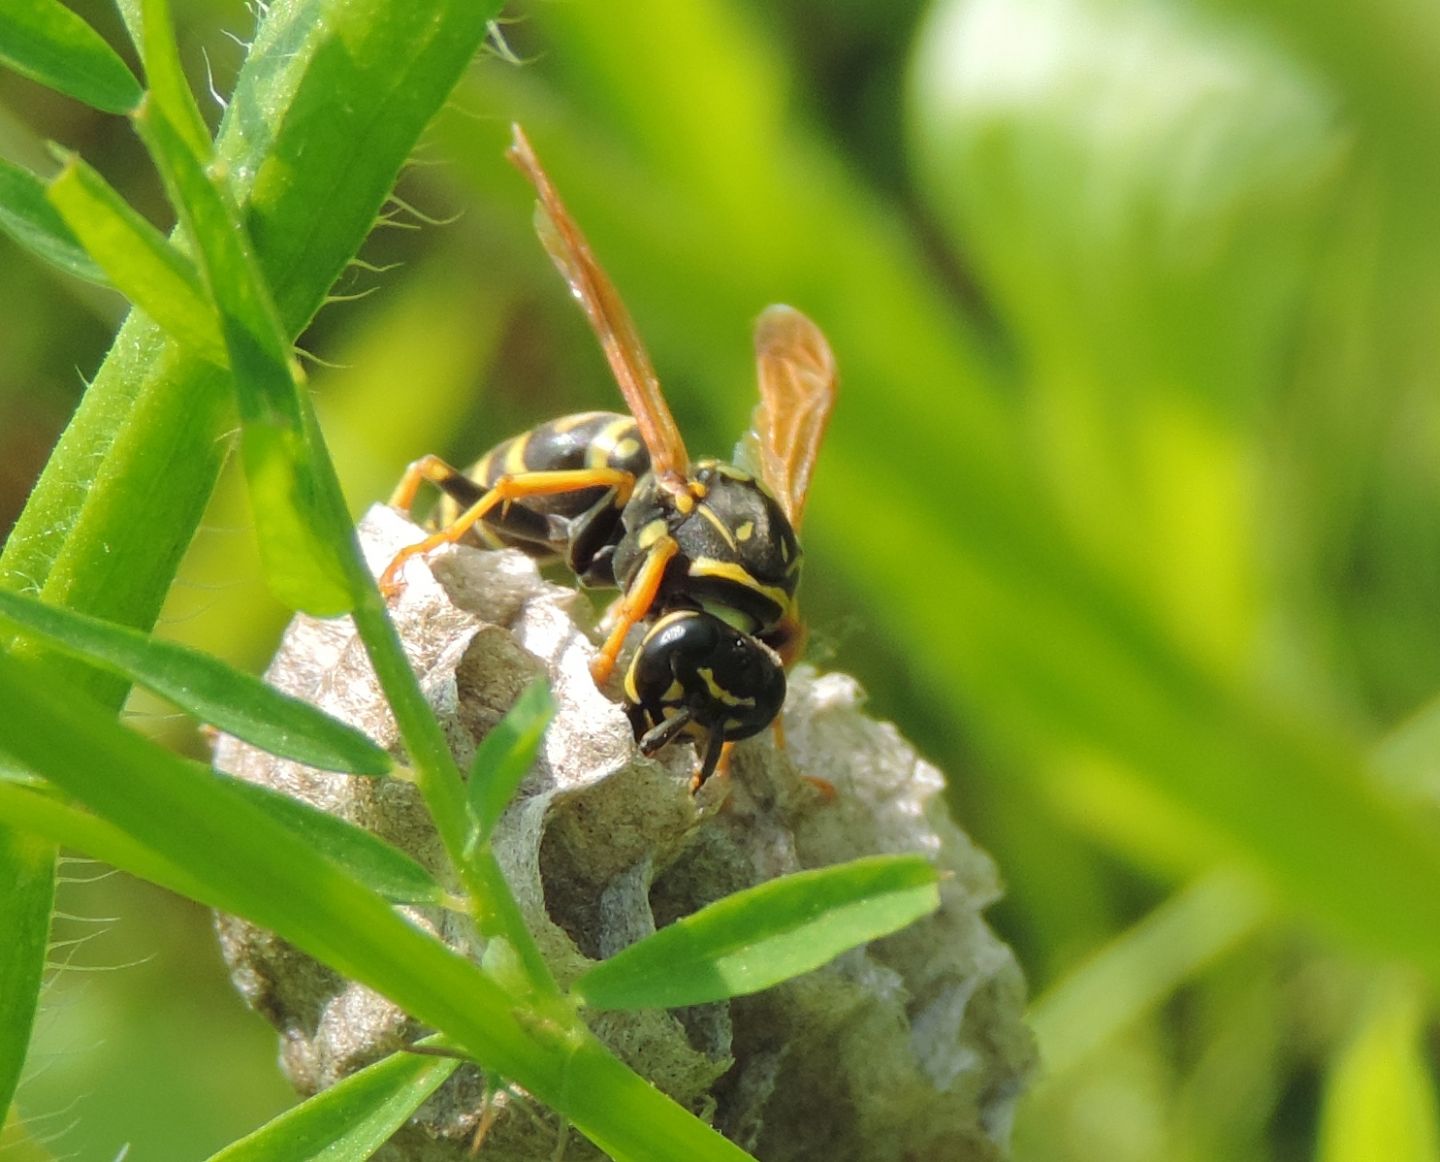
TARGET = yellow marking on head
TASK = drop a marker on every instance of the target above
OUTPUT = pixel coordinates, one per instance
(675, 692)
(627, 448)
(652, 532)
(630, 692)
(514, 463)
(718, 692)
(745, 531)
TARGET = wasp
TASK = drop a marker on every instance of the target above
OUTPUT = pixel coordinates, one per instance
(705, 554)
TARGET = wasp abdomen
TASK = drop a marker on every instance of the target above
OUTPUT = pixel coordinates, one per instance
(576, 526)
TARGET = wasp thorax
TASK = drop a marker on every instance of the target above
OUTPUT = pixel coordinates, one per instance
(738, 555)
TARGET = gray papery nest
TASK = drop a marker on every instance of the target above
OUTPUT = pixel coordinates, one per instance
(909, 1048)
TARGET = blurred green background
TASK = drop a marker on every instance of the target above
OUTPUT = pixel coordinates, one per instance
(1127, 515)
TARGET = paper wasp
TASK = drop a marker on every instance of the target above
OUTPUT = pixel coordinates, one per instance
(704, 553)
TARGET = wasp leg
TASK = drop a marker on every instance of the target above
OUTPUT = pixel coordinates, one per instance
(633, 606)
(505, 488)
(430, 468)
(716, 760)
(823, 787)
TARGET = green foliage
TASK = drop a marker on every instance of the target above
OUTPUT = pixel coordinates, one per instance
(44, 40)
(505, 757)
(27, 865)
(136, 258)
(349, 1120)
(769, 933)
(33, 222)
(1380, 1098)
(314, 880)
(217, 694)
(1132, 481)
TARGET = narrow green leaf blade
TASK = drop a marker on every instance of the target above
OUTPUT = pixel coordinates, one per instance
(375, 863)
(301, 528)
(45, 41)
(166, 78)
(138, 260)
(27, 869)
(301, 566)
(1408, 758)
(227, 698)
(1380, 1099)
(764, 935)
(350, 1120)
(40, 812)
(247, 864)
(506, 755)
(28, 218)
(365, 857)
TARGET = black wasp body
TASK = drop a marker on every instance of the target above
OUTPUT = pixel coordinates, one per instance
(705, 554)
(579, 528)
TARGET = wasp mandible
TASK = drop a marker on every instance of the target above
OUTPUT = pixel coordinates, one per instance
(704, 553)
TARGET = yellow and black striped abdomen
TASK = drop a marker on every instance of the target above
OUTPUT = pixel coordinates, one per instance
(570, 525)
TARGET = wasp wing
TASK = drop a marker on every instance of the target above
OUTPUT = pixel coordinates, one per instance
(798, 382)
(608, 317)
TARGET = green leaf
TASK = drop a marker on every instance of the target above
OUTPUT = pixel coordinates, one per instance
(249, 865)
(303, 533)
(350, 1120)
(40, 811)
(302, 567)
(328, 106)
(166, 78)
(506, 755)
(27, 869)
(378, 865)
(45, 41)
(235, 702)
(34, 223)
(1131, 977)
(764, 935)
(1408, 758)
(138, 260)
(1380, 1096)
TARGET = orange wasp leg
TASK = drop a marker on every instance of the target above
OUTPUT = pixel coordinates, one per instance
(505, 488)
(633, 605)
(823, 787)
(430, 468)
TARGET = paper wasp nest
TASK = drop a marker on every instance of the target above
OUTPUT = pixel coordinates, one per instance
(910, 1048)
